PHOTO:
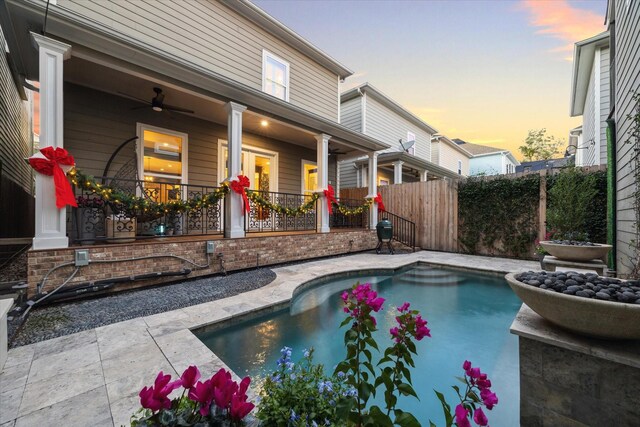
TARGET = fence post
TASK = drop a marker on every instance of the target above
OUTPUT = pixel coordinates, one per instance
(542, 211)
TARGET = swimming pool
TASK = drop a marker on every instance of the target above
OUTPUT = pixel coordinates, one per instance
(469, 316)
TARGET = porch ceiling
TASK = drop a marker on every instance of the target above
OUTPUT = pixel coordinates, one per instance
(109, 49)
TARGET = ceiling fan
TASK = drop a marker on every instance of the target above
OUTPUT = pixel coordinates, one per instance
(335, 151)
(157, 103)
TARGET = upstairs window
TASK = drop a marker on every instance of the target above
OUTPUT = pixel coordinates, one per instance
(411, 137)
(459, 167)
(275, 76)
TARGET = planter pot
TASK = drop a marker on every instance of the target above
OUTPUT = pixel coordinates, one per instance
(576, 252)
(585, 316)
(121, 229)
(89, 224)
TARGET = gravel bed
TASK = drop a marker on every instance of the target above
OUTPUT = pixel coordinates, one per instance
(70, 317)
(588, 285)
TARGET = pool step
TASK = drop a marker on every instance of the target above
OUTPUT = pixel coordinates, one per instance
(434, 280)
(426, 273)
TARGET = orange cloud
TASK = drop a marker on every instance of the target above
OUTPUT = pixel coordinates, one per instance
(561, 20)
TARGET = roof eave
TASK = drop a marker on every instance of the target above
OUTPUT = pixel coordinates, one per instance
(252, 12)
(582, 70)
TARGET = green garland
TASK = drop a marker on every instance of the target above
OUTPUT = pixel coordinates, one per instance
(131, 204)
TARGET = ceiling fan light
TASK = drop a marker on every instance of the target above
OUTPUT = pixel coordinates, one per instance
(156, 108)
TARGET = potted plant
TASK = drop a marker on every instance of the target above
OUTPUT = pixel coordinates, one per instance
(570, 200)
(89, 218)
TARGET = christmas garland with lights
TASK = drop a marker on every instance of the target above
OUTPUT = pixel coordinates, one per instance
(143, 206)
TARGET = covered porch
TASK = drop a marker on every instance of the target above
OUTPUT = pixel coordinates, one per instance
(168, 138)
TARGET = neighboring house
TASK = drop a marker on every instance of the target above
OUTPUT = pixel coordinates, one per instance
(263, 102)
(448, 154)
(622, 19)
(16, 142)
(488, 160)
(538, 165)
(590, 96)
(367, 110)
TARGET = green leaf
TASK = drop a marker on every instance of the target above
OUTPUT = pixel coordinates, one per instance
(405, 419)
(380, 418)
(407, 390)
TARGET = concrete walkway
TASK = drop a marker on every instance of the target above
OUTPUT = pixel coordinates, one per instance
(92, 378)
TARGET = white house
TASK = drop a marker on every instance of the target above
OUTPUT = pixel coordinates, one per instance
(367, 110)
(448, 154)
(590, 96)
(489, 160)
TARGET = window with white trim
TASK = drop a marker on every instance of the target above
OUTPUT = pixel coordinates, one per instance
(275, 76)
(411, 137)
(459, 167)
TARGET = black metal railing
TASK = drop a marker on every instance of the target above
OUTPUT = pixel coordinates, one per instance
(404, 231)
(340, 220)
(262, 219)
(98, 219)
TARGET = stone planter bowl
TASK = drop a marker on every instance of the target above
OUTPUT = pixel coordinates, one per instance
(575, 252)
(585, 316)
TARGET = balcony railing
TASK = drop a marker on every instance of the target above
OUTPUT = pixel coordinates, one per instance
(340, 220)
(98, 219)
(261, 219)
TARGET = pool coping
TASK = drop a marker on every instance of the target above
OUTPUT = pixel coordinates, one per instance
(130, 353)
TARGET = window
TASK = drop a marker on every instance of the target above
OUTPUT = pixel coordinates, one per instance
(459, 167)
(259, 165)
(383, 181)
(275, 76)
(309, 177)
(162, 159)
(411, 137)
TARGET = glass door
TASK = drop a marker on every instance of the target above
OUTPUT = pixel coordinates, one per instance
(259, 166)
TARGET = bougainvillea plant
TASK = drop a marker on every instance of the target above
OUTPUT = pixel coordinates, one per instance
(217, 401)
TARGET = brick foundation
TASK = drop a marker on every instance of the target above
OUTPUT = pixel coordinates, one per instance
(238, 254)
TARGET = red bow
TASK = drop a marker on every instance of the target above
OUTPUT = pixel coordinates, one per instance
(239, 187)
(330, 194)
(50, 165)
(378, 200)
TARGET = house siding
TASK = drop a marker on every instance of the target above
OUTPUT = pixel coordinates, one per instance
(15, 128)
(605, 100)
(627, 80)
(435, 152)
(449, 158)
(348, 175)
(351, 114)
(210, 35)
(586, 156)
(486, 165)
(387, 126)
(96, 123)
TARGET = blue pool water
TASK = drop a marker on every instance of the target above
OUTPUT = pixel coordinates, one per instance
(469, 316)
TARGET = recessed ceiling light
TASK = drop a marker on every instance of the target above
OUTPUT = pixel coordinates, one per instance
(165, 144)
(170, 166)
(264, 123)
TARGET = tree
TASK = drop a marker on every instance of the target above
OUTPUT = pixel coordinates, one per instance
(540, 146)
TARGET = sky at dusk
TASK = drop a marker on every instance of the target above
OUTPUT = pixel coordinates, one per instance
(483, 71)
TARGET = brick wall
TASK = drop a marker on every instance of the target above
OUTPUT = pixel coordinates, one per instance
(237, 253)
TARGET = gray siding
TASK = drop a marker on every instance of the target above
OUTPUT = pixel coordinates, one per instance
(212, 36)
(351, 114)
(348, 175)
(605, 99)
(435, 152)
(449, 157)
(586, 157)
(385, 125)
(97, 122)
(15, 127)
(627, 80)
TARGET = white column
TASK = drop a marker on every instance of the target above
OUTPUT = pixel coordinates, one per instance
(51, 222)
(322, 160)
(397, 172)
(423, 176)
(373, 188)
(363, 176)
(234, 204)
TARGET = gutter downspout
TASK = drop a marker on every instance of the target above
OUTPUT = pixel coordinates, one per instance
(611, 192)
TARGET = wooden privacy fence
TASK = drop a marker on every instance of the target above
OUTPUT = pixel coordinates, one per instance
(431, 205)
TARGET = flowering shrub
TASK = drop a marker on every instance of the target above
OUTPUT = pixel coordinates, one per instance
(300, 394)
(216, 401)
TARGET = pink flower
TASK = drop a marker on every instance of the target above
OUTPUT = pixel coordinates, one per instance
(480, 418)
(394, 332)
(483, 382)
(239, 407)
(373, 320)
(156, 397)
(202, 393)
(345, 296)
(466, 366)
(488, 398)
(421, 328)
(223, 393)
(474, 373)
(404, 307)
(376, 303)
(190, 376)
(461, 416)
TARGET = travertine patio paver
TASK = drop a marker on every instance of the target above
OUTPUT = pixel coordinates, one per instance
(93, 377)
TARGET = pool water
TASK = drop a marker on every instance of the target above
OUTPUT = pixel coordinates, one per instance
(469, 316)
